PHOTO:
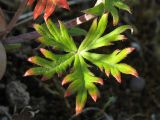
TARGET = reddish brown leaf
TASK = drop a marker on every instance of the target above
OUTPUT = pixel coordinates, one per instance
(63, 4)
(50, 7)
(39, 8)
(30, 2)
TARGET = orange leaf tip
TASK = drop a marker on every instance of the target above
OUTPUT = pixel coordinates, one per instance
(118, 78)
(28, 73)
(94, 97)
(135, 73)
(63, 4)
(35, 16)
(45, 18)
(129, 50)
(30, 2)
(31, 59)
(64, 81)
(78, 109)
(42, 50)
(100, 81)
(107, 73)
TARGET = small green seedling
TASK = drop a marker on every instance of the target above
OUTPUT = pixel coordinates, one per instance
(81, 80)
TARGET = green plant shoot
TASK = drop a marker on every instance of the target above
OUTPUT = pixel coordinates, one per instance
(81, 81)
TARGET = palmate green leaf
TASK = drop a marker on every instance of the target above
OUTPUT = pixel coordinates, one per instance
(81, 81)
(122, 5)
(48, 68)
(110, 63)
(106, 40)
(76, 31)
(59, 38)
(103, 6)
(96, 10)
(81, 99)
(95, 32)
(114, 13)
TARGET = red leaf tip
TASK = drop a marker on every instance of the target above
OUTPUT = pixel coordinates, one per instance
(94, 97)
(28, 73)
(100, 81)
(31, 59)
(35, 16)
(135, 73)
(130, 50)
(42, 50)
(30, 2)
(63, 4)
(78, 109)
(64, 81)
(118, 78)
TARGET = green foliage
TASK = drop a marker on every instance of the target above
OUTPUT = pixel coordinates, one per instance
(81, 80)
(76, 31)
(109, 6)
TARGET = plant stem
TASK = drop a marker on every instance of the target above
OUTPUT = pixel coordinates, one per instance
(26, 37)
(16, 16)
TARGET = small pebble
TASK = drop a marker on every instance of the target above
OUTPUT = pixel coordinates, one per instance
(137, 84)
(17, 94)
(4, 113)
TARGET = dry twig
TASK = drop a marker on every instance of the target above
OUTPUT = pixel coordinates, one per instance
(16, 16)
